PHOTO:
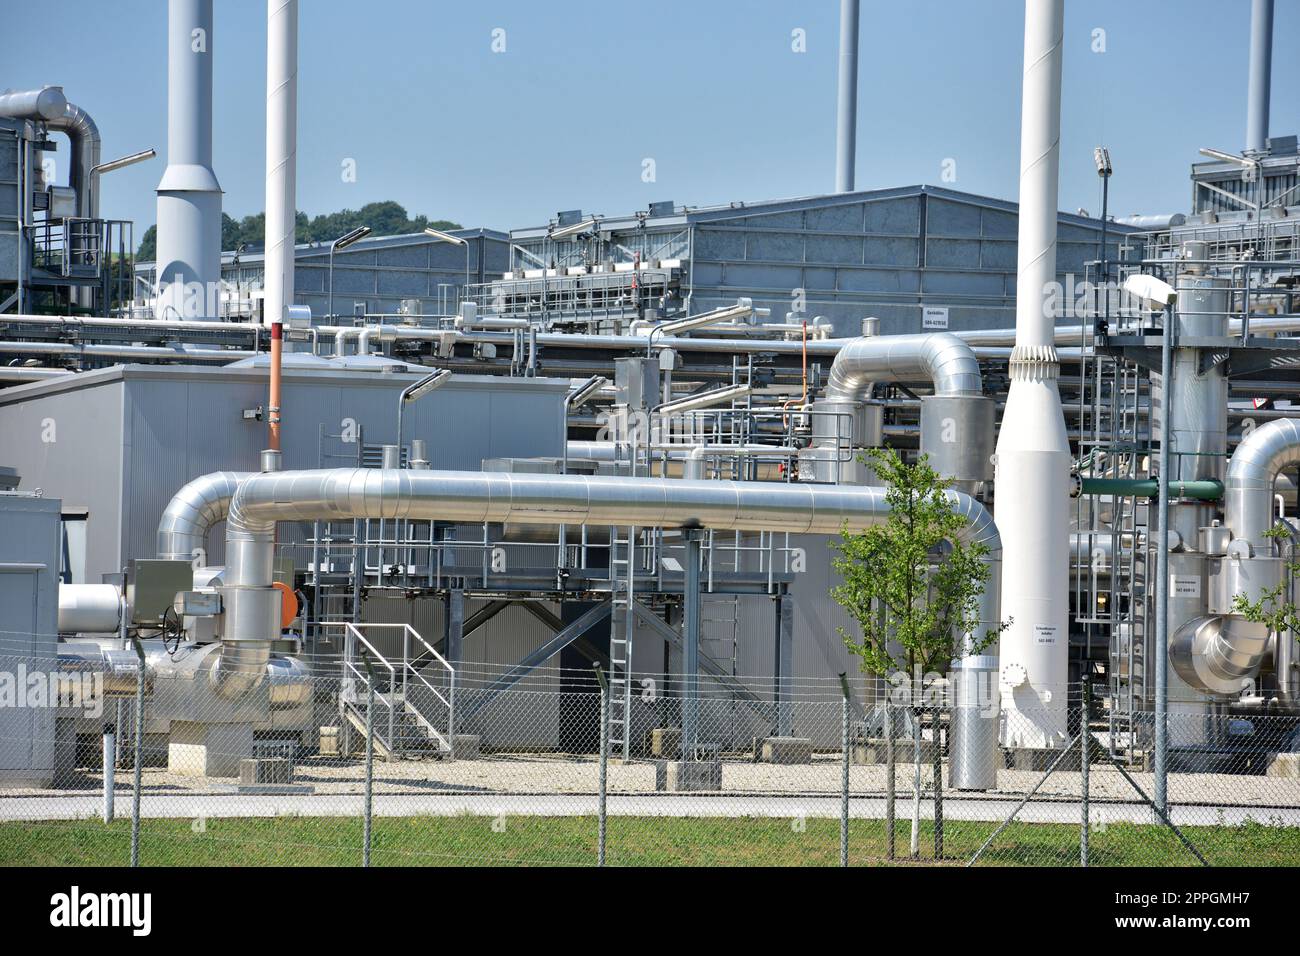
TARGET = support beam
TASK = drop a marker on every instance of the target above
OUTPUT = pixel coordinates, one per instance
(537, 658)
(707, 664)
(691, 646)
(455, 627)
(581, 644)
(783, 688)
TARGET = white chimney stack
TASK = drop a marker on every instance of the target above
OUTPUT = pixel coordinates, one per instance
(189, 197)
(1032, 463)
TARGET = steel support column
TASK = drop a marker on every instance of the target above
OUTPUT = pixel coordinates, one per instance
(691, 646)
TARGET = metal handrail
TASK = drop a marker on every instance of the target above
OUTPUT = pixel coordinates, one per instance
(348, 662)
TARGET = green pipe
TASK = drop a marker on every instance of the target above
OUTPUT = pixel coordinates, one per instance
(1204, 490)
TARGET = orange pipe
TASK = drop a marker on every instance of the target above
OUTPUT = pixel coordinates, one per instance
(273, 403)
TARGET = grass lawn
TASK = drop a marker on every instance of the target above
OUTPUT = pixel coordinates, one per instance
(632, 841)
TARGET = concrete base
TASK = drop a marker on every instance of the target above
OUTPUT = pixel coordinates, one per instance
(253, 772)
(786, 750)
(1038, 759)
(873, 751)
(208, 750)
(683, 776)
(665, 742)
(1284, 765)
(329, 745)
(466, 746)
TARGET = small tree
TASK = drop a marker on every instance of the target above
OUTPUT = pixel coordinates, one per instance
(912, 585)
(1273, 607)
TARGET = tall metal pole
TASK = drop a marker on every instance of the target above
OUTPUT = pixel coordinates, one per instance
(368, 807)
(1160, 765)
(1085, 752)
(331, 292)
(281, 155)
(844, 769)
(847, 120)
(139, 753)
(1261, 69)
(691, 645)
(602, 782)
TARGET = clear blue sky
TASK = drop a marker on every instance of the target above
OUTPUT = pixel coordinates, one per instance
(710, 89)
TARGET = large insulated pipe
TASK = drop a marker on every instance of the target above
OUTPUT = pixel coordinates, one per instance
(189, 196)
(45, 103)
(1261, 70)
(1032, 463)
(192, 512)
(281, 156)
(846, 125)
(1252, 473)
(252, 604)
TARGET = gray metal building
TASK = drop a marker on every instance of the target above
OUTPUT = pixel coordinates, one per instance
(883, 252)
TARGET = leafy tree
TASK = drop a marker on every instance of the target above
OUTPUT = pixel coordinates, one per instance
(1273, 607)
(148, 248)
(912, 585)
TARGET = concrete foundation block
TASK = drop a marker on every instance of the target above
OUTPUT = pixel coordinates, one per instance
(665, 742)
(684, 776)
(254, 772)
(466, 746)
(1284, 765)
(208, 750)
(1038, 759)
(329, 745)
(874, 751)
(786, 750)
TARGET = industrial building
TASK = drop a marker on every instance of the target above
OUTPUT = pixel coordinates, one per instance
(630, 439)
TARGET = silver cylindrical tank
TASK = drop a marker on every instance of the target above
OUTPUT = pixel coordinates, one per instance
(89, 609)
(957, 433)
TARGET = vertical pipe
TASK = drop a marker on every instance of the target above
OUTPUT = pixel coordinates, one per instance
(273, 400)
(1160, 765)
(691, 646)
(188, 272)
(1032, 464)
(1261, 69)
(844, 773)
(603, 782)
(1085, 754)
(846, 129)
(281, 154)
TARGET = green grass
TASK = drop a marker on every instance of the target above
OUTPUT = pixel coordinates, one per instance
(632, 841)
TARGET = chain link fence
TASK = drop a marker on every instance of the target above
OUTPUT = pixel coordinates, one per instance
(486, 767)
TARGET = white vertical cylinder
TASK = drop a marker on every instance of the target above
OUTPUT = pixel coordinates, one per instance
(1261, 69)
(1032, 464)
(281, 156)
(189, 196)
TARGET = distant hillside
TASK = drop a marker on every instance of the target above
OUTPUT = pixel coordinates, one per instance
(385, 218)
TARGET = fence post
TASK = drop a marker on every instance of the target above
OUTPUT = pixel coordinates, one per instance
(890, 776)
(1085, 741)
(139, 753)
(367, 805)
(938, 782)
(844, 769)
(110, 768)
(604, 766)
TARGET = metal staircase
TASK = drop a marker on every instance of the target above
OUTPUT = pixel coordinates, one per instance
(414, 697)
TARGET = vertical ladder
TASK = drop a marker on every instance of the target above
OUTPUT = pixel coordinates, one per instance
(622, 575)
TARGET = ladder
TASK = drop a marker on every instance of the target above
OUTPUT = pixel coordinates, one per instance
(622, 576)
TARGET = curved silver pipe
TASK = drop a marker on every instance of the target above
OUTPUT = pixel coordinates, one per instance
(190, 515)
(941, 357)
(43, 104)
(84, 134)
(1252, 472)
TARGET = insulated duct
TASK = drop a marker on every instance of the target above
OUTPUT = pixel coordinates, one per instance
(188, 272)
(192, 512)
(1032, 464)
(281, 156)
(252, 604)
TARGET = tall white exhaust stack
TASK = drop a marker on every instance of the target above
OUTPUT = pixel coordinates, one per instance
(189, 197)
(1261, 69)
(281, 155)
(1032, 464)
(846, 127)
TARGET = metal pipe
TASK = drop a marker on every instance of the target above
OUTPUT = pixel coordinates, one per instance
(1160, 763)
(1252, 472)
(846, 126)
(281, 155)
(189, 196)
(193, 511)
(273, 395)
(942, 358)
(90, 608)
(1261, 69)
(42, 104)
(1032, 466)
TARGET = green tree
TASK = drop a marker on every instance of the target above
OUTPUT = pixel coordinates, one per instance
(1273, 607)
(912, 585)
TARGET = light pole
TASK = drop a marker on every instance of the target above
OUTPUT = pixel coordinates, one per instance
(342, 242)
(415, 392)
(455, 241)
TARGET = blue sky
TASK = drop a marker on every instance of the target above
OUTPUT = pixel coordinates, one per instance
(711, 90)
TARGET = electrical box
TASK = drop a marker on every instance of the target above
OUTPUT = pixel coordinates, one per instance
(636, 380)
(63, 202)
(153, 587)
